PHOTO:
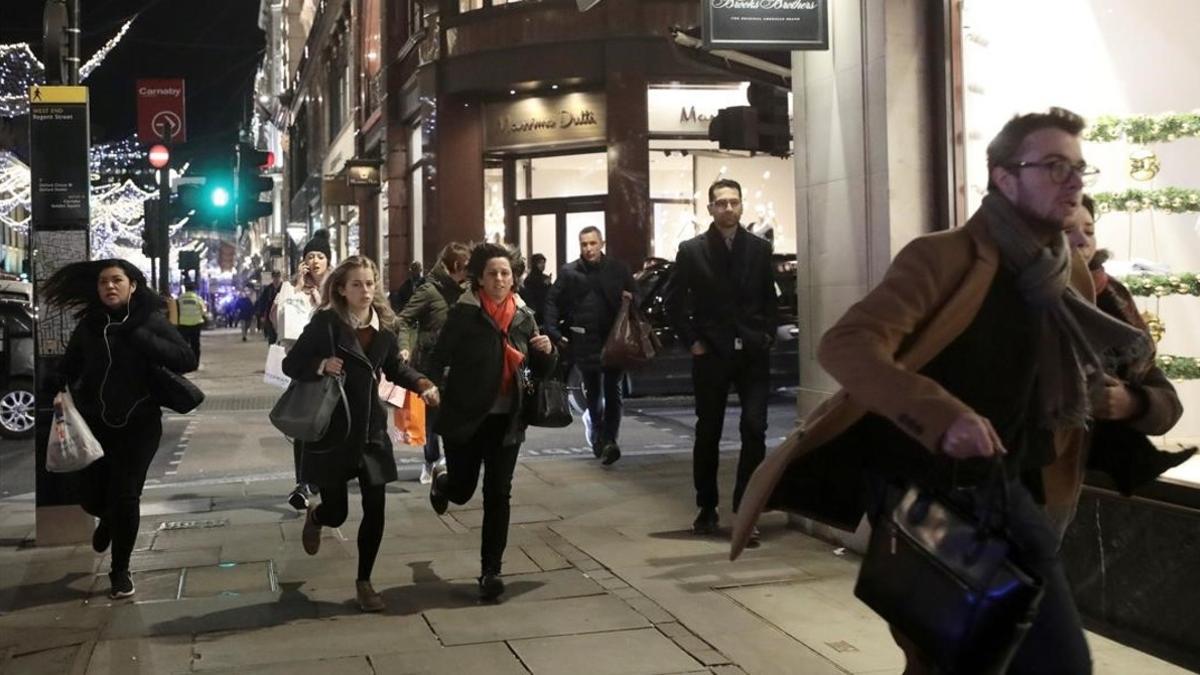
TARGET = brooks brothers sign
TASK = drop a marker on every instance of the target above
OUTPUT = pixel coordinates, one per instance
(766, 24)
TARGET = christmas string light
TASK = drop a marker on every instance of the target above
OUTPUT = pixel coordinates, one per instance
(98, 57)
(20, 69)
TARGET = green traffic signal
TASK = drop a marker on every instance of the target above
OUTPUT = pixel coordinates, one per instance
(219, 197)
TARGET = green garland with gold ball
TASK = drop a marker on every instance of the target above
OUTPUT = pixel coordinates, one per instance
(1179, 367)
(1143, 129)
(1160, 285)
(1168, 199)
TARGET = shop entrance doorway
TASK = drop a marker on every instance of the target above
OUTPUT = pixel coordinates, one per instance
(551, 226)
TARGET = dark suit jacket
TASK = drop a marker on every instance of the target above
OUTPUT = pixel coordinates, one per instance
(716, 295)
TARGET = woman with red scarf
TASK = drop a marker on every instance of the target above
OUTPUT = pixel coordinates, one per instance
(481, 364)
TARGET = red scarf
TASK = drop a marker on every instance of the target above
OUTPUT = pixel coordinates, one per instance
(502, 313)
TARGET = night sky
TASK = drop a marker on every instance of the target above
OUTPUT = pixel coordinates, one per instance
(215, 45)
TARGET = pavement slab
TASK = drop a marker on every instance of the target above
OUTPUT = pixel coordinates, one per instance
(629, 652)
(493, 658)
(515, 620)
(150, 656)
(343, 636)
(205, 615)
(228, 578)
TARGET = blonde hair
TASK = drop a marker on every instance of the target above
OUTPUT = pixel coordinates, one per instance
(336, 280)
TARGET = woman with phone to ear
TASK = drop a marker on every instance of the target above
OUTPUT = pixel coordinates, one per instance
(122, 335)
(304, 291)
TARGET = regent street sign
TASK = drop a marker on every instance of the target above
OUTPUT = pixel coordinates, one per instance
(766, 24)
(571, 119)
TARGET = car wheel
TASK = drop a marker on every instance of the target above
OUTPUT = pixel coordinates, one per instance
(17, 409)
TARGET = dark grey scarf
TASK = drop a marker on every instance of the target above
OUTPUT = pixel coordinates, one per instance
(1079, 342)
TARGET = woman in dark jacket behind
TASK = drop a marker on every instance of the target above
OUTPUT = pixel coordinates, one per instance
(354, 335)
(421, 322)
(122, 337)
(489, 339)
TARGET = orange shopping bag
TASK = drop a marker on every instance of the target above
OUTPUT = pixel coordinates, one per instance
(410, 419)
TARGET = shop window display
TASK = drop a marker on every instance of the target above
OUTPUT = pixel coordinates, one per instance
(1135, 95)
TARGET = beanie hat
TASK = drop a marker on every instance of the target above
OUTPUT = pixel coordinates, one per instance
(319, 242)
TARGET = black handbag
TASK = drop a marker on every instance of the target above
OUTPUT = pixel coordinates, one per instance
(174, 391)
(546, 404)
(948, 582)
(304, 411)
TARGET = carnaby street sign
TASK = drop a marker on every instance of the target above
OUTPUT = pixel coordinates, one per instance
(161, 117)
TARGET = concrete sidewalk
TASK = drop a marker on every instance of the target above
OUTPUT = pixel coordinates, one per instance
(603, 578)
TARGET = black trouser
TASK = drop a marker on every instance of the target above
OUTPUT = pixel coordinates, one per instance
(111, 488)
(602, 388)
(268, 327)
(1055, 642)
(335, 506)
(499, 462)
(748, 371)
(433, 446)
(192, 335)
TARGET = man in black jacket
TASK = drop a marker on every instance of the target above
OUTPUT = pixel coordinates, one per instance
(722, 301)
(580, 311)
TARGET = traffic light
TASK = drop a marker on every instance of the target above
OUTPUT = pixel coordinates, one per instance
(249, 184)
(774, 128)
(735, 128)
(762, 126)
(205, 200)
(150, 238)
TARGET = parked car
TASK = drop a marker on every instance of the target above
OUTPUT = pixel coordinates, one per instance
(670, 372)
(16, 369)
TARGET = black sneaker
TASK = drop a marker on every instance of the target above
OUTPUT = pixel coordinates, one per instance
(491, 586)
(297, 499)
(101, 537)
(611, 454)
(122, 585)
(437, 490)
(706, 521)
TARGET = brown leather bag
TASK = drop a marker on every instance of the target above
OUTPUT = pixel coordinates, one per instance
(631, 343)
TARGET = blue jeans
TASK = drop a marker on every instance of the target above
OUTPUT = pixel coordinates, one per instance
(602, 389)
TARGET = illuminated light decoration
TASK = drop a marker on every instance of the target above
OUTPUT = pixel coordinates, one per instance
(1169, 200)
(1144, 129)
(20, 69)
(1179, 367)
(1160, 285)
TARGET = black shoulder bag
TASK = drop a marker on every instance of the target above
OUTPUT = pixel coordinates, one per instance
(303, 411)
(947, 580)
(546, 403)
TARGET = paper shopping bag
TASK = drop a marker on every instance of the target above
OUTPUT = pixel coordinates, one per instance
(410, 420)
(273, 368)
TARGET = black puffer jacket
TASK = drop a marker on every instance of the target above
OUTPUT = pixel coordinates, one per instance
(468, 364)
(357, 446)
(108, 360)
(583, 303)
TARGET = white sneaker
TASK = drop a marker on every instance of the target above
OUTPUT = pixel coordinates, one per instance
(426, 473)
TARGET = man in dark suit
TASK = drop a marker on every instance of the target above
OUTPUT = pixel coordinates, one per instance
(580, 312)
(722, 301)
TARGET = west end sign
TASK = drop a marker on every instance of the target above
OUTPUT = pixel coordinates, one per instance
(766, 24)
(573, 119)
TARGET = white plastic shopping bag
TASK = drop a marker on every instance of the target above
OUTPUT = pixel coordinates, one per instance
(294, 314)
(72, 446)
(273, 369)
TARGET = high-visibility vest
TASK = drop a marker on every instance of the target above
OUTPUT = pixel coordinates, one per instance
(191, 309)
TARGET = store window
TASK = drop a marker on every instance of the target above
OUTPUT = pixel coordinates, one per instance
(683, 163)
(338, 83)
(371, 53)
(563, 176)
(493, 203)
(1130, 91)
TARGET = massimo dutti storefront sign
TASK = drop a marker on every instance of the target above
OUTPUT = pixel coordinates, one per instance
(766, 24)
(571, 119)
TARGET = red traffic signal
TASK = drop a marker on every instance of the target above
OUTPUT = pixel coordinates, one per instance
(159, 156)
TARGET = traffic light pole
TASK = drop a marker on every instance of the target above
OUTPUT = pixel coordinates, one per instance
(164, 233)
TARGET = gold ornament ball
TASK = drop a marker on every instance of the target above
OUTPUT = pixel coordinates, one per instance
(1143, 165)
